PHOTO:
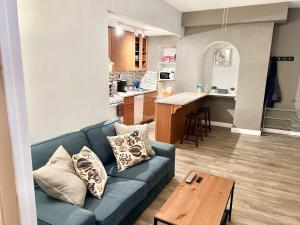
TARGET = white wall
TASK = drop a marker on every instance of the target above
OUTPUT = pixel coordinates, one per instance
(157, 13)
(65, 57)
(223, 77)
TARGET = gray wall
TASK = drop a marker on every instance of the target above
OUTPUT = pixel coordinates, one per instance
(221, 108)
(276, 12)
(286, 42)
(253, 42)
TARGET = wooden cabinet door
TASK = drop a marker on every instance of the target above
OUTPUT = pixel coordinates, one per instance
(149, 106)
(122, 50)
(128, 116)
(144, 54)
(128, 51)
(141, 53)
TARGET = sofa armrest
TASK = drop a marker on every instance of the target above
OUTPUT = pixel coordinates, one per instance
(54, 212)
(168, 151)
(163, 149)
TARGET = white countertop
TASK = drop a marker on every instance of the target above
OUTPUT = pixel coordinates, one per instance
(135, 92)
(222, 95)
(119, 98)
(185, 98)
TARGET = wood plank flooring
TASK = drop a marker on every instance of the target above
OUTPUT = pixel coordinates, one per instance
(266, 170)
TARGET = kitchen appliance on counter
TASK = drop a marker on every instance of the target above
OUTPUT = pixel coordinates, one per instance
(121, 85)
(112, 88)
(167, 74)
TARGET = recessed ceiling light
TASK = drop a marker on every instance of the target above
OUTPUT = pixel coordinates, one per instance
(119, 31)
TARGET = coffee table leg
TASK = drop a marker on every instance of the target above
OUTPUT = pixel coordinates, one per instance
(155, 221)
(231, 200)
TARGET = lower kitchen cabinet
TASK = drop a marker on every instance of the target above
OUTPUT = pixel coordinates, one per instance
(128, 110)
(149, 106)
(148, 109)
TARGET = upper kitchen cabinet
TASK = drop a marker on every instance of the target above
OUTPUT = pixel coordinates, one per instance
(141, 53)
(127, 51)
(121, 50)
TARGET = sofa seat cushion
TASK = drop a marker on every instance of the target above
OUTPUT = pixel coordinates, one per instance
(56, 212)
(119, 198)
(151, 172)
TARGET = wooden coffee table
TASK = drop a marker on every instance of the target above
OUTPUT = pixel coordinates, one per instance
(203, 203)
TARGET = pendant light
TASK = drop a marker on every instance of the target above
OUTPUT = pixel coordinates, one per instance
(224, 22)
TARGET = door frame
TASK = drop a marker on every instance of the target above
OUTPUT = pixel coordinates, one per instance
(14, 88)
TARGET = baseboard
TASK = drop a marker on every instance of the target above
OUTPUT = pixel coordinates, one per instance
(286, 132)
(221, 124)
(246, 131)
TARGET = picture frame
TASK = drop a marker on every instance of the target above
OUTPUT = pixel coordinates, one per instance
(222, 57)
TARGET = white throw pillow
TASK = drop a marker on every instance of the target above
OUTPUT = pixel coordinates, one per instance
(59, 179)
(122, 129)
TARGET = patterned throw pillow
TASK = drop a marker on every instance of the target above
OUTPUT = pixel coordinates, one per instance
(122, 129)
(129, 150)
(89, 167)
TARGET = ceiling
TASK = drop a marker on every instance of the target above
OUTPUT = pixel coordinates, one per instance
(198, 5)
(131, 25)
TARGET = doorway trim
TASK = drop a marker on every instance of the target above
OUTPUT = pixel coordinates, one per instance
(16, 110)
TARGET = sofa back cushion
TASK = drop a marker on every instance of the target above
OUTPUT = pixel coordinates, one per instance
(72, 142)
(97, 137)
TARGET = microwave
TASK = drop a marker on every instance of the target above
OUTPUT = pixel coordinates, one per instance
(166, 75)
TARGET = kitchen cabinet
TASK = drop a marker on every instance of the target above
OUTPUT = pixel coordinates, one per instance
(128, 110)
(141, 53)
(127, 51)
(148, 108)
(121, 50)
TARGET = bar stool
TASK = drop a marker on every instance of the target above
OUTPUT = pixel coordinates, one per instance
(193, 125)
(207, 121)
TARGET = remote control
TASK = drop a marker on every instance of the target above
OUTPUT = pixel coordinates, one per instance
(191, 177)
(199, 179)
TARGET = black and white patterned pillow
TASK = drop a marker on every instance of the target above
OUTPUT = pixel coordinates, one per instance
(91, 170)
(129, 150)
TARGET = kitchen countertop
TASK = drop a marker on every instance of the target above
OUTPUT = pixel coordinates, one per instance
(119, 98)
(185, 98)
(135, 92)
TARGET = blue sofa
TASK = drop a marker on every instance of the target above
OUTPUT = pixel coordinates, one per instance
(127, 193)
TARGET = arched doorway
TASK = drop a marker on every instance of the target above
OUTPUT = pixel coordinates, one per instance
(222, 75)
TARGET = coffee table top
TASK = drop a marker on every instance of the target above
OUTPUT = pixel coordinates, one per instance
(201, 203)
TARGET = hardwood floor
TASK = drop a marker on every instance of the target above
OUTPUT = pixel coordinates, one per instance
(266, 170)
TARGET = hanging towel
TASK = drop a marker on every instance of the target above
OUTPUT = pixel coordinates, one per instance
(273, 93)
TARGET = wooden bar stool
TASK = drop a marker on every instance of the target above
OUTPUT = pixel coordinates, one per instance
(206, 112)
(192, 126)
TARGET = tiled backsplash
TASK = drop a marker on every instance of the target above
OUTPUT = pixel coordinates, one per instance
(128, 76)
(148, 79)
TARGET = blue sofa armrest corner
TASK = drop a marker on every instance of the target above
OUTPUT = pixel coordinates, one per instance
(163, 149)
(168, 151)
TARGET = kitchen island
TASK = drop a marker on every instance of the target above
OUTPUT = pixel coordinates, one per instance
(171, 112)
